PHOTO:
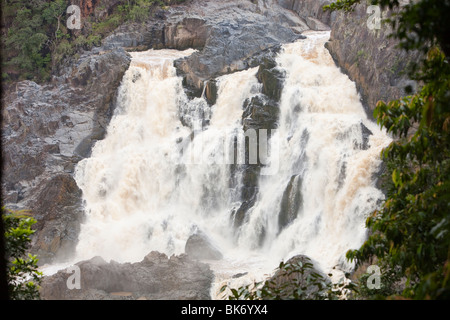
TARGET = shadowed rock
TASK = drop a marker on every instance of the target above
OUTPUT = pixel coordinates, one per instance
(290, 203)
(286, 282)
(199, 247)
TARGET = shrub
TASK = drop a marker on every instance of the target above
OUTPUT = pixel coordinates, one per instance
(22, 273)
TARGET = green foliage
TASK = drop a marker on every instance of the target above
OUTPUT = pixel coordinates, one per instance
(139, 10)
(390, 284)
(411, 232)
(104, 27)
(36, 41)
(346, 5)
(86, 43)
(294, 281)
(22, 274)
(62, 50)
(412, 229)
(29, 35)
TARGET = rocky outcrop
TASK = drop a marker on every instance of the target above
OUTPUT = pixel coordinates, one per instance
(230, 35)
(156, 277)
(370, 58)
(286, 281)
(260, 112)
(199, 246)
(190, 32)
(160, 32)
(312, 11)
(235, 32)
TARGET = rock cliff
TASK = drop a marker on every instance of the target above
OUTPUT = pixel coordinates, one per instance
(370, 57)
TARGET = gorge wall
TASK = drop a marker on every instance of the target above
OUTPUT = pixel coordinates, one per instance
(371, 58)
(49, 128)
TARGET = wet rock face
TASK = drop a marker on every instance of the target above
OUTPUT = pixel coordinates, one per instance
(310, 10)
(271, 78)
(47, 129)
(259, 112)
(155, 277)
(370, 57)
(236, 32)
(58, 210)
(291, 202)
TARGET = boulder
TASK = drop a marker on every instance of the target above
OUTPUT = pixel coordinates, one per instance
(286, 282)
(211, 91)
(260, 112)
(271, 78)
(200, 247)
(190, 32)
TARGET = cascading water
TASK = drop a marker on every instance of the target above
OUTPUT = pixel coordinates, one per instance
(327, 162)
(160, 174)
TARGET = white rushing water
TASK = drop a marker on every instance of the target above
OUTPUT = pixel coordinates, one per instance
(142, 193)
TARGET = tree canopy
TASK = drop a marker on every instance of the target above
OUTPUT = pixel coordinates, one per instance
(36, 40)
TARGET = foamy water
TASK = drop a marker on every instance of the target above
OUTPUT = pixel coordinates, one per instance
(144, 192)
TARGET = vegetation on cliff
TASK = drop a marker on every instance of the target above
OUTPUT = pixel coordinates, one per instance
(36, 39)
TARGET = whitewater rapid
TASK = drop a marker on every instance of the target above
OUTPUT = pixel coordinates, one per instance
(154, 180)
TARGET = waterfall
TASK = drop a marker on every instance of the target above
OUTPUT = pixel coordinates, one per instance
(327, 163)
(149, 184)
(163, 172)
